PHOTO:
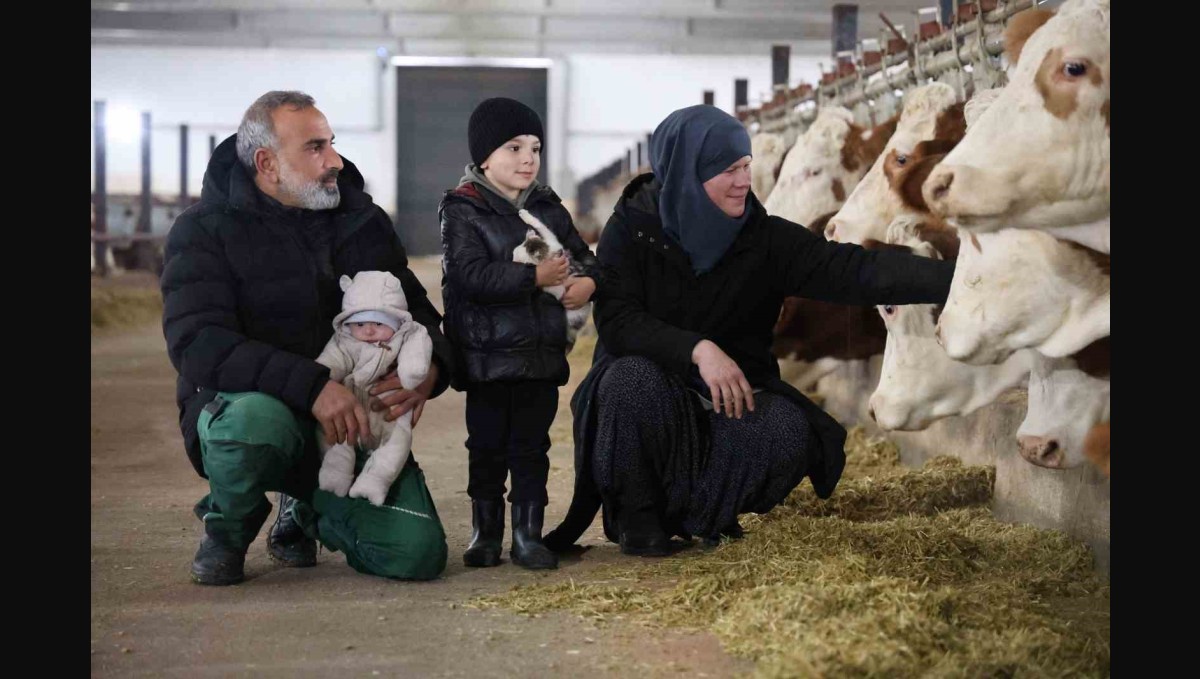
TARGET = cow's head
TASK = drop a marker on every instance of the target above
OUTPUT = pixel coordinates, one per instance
(1039, 155)
(1021, 288)
(929, 112)
(767, 149)
(823, 166)
(1064, 404)
(919, 383)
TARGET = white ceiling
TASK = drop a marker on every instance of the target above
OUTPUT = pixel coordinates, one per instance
(492, 27)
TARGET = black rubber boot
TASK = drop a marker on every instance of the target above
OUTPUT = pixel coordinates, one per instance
(487, 526)
(286, 542)
(642, 533)
(218, 564)
(527, 548)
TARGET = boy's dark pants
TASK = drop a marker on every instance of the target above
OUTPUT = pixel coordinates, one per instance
(508, 430)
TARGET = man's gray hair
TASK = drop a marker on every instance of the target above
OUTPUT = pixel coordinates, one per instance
(257, 130)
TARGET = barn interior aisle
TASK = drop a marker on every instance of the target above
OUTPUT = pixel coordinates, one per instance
(969, 534)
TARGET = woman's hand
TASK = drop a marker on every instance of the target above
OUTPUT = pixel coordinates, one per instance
(397, 400)
(578, 291)
(726, 383)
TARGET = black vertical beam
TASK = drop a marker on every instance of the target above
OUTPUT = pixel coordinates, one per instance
(183, 166)
(143, 251)
(947, 7)
(143, 224)
(740, 98)
(708, 97)
(780, 59)
(212, 143)
(101, 197)
(845, 28)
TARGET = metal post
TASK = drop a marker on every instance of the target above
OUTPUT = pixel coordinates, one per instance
(740, 100)
(143, 249)
(183, 166)
(101, 246)
(212, 144)
(845, 28)
(948, 11)
(708, 97)
(780, 60)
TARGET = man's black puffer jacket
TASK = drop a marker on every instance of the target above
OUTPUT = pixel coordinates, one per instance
(502, 326)
(250, 289)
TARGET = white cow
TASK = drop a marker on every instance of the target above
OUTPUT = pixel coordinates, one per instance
(767, 150)
(1065, 403)
(1021, 288)
(824, 165)
(929, 112)
(1039, 156)
(919, 383)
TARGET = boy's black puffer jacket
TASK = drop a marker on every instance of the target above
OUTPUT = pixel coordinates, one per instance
(502, 326)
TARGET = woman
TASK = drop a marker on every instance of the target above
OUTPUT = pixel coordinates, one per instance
(698, 274)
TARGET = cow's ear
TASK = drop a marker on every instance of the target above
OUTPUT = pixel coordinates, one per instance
(941, 237)
(1020, 27)
(345, 282)
(818, 225)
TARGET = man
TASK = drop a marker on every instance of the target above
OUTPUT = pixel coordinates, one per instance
(250, 290)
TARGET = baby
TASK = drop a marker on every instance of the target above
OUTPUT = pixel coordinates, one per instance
(541, 244)
(373, 332)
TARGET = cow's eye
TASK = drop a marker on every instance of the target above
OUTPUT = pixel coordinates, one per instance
(901, 159)
(1074, 69)
(889, 310)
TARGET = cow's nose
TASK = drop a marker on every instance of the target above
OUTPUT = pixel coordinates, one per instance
(941, 184)
(831, 230)
(1043, 451)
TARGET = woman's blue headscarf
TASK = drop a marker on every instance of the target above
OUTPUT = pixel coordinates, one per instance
(689, 147)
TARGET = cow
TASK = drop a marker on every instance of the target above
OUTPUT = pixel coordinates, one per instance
(1039, 156)
(930, 113)
(1096, 447)
(825, 165)
(1067, 398)
(918, 382)
(813, 338)
(1022, 288)
(767, 149)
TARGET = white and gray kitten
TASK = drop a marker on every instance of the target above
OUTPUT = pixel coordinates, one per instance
(541, 244)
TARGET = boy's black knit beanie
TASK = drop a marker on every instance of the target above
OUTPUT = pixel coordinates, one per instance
(497, 120)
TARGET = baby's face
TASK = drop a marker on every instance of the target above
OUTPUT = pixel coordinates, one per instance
(370, 332)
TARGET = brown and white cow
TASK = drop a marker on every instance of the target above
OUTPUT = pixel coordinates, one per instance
(825, 165)
(767, 149)
(1039, 156)
(1022, 288)
(930, 114)
(1067, 398)
(1096, 447)
(919, 383)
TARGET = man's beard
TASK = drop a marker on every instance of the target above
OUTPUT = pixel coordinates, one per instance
(311, 195)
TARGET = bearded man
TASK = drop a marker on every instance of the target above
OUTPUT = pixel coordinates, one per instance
(250, 290)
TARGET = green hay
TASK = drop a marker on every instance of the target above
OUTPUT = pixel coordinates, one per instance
(901, 573)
